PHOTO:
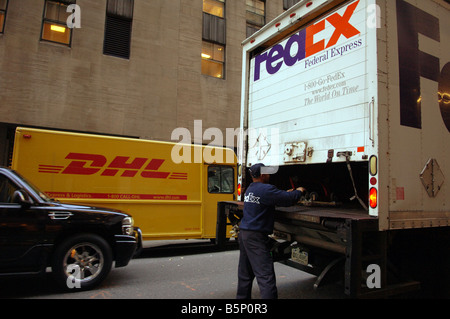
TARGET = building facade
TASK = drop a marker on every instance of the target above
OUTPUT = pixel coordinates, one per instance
(137, 68)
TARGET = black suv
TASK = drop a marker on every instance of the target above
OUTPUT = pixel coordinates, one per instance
(79, 243)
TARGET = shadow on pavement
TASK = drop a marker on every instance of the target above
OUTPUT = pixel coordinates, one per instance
(182, 248)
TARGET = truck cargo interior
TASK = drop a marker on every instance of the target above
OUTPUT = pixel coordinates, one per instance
(329, 185)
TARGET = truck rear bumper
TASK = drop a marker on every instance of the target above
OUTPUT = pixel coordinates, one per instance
(126, 247)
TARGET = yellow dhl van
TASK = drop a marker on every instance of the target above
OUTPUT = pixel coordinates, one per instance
(167, 200)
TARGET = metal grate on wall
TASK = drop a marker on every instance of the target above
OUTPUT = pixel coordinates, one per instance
(117, 37)
(118, 26)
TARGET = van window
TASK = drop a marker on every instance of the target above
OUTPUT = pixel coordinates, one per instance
(220, 179)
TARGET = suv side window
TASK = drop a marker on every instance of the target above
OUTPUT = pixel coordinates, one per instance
(7, 189)
(220, 179)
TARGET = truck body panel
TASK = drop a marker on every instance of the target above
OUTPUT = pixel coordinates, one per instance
(321, 100)
(413, 59)
(323, 84)
(168, 200)
(351, 100)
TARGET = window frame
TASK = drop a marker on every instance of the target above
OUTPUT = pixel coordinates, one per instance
(212, 60)
(223, 8)
(111, 17)
(254, 12)
(252, 26)
(3, 13)
(221, 167)
(214, 34)
(63, 24)
(287, 4)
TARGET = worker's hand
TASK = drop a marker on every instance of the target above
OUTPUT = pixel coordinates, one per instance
(302, 189)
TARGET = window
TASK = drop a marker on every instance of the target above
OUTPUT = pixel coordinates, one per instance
(289, 3)
(213, 59)
(255, 15)
(54, 26)
(3, 9)
(214, 38)
(119, 22)
(214, 7)
(214, 28)
(220, 179)
(7, 190)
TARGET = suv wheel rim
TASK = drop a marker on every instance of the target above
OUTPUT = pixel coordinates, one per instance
(84, 262)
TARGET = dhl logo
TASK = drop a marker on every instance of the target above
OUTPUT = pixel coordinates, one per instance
(91, 164)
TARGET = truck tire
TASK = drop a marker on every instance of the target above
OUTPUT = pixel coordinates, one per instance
(81, 262)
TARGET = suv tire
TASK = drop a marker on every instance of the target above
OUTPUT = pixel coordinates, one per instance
(82, 262)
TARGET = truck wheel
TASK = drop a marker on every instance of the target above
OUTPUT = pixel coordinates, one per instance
(82, 262)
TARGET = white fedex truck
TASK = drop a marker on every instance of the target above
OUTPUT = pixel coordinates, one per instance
(351, 99)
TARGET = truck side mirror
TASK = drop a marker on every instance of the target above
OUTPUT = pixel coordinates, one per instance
(21, 197)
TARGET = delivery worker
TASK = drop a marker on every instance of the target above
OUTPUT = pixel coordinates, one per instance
(256, 225)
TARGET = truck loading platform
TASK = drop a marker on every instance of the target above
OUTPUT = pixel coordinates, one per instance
(324, 241)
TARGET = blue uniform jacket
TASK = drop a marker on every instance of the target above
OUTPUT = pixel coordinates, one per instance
(260, 201)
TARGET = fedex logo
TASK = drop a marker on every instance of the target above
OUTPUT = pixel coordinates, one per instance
(415, 64)
(90, 164)
(305, 43)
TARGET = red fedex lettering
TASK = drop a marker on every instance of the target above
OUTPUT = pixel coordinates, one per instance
(80, 160)
(342, 25)
(311, 47)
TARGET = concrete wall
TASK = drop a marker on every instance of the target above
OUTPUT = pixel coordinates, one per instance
(157, 90)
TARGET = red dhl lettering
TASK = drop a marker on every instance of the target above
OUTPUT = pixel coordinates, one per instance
(91, 164)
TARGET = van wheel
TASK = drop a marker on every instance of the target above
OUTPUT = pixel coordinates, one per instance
(82, 262)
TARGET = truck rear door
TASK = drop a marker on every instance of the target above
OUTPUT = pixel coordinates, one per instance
(312, 94)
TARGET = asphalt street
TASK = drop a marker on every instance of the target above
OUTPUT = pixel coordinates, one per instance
(184, 270)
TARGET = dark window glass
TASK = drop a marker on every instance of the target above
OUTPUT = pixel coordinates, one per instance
(118, 26)
(220, 179)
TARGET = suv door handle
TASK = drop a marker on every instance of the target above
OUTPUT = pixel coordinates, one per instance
(60, 215)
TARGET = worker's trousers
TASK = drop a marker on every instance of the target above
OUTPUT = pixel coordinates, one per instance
(255, 261)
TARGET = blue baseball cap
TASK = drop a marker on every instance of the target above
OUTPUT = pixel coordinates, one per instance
(258, 169)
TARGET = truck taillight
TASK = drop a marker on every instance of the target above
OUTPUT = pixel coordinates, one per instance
(373, 198)
(239, 190)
